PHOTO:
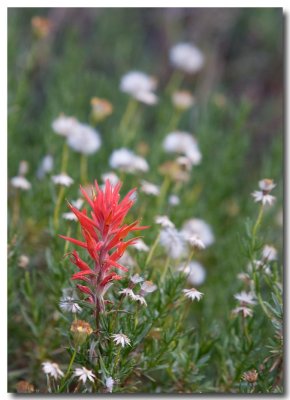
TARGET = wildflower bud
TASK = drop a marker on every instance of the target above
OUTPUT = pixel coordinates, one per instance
(250, 376)
(81, 330)
(41, 26)
(23, 168)
(182, 100)
(101, 109)
(23, 261)
(24, 387)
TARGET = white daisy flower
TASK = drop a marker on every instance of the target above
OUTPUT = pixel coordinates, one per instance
(192, 294)
(69, 216)
(148, 98)
(84, 374)
(184, 143)
(263, 196)
(147, 287)
(195, 242)
(20, 182)
(84, 139)
(110, 384)
(68, 304)
(141, 300)
(195, 226)
(164, 221)
(140, 245)
(245, 298)
(149, 188)
(136, 278)
(247, 312)
(111, 176)
(172, 241)
(62, 179)
(269, 253)
(52, 369)
(265, 199)
(135, 82)
(45, 167)
(125, 160)
(64, 125)
(195, 272)
(186, 57)
(182, 100)
(120, 338)
(127, 292)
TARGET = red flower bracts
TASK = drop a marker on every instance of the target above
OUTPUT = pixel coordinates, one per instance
(103, 238)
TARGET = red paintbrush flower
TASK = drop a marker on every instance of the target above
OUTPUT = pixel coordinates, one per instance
(103, 237)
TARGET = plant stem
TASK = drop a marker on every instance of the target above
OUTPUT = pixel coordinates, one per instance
(129, 112)
(174, 82)
(64, 159)
(16, 209)
(165, 270)
(257, 225)
(152, 250)
(163, 191)
(57, 207)
(84, 168)
(68, 370)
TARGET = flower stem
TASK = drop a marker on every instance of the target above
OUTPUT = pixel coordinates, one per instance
(257, 225)
(165, 270)
(84, 168)
(152, 250)
(174, 82)
(128, 115)
(57, 207)
(68, 370)
(64, 159)
(16, 209)
(163, 191)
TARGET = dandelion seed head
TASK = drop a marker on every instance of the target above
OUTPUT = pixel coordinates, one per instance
(195, 226)
(62, 179)
(149, 188)
(140, 245)
(186, 57)
(20, 182)
(64, 125)
(195, 272)
(183, 143)
(84, 139)
(164, 221)
(125, 160)
(135, 82)
(172, 241)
